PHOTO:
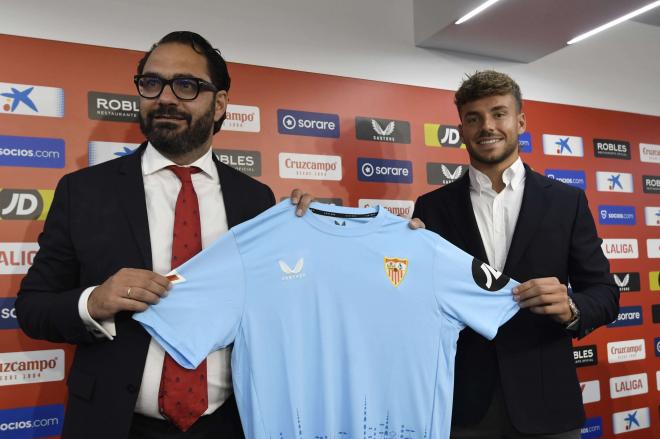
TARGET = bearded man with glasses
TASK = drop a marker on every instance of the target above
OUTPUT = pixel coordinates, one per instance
(115, 229)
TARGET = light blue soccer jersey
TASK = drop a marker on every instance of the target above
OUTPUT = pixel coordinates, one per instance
(344, 326)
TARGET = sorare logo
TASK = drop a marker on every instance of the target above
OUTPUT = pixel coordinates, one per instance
(592, 428)
(112, 107)
(25, 204)
(567, 146)
(305, 123)
(612, 149)
(99, 152)
(570, 177)
(31, 152)
(382, 130)
(384, 171)
(442, 135)
(8, 314)
(656, 344)
(31, 100)
(616, 215)
(628, 316)
(525, 142)
(32, 422)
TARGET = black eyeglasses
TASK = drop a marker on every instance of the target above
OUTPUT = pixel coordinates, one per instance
(186, 89)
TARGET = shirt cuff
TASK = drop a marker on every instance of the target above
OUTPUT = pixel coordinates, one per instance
(104, 329)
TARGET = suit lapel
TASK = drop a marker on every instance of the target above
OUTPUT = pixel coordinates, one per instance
(231, 194)
(465, 223)
(535, 204)
(130, 191)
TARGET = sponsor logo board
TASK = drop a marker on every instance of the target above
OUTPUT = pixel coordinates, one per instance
(568, 146)
(616, 215)
(32, 422)
(248, 162)
(306, 123)
(385, 171)
(651, 184)
(631, 420)
(655, 313)
(31, 367)
(25, 204)
(442, 135)
(17, 257)
(627, 281)
(8, 314)
(31, 100)
(652, 216)
(620, 248)
(585, 355)
(113, 107)
(656, 344)
(525, 142)
(99, 152)
(382, 130)
(649, 153)
(310, 166)
(402, 208)
(628, 316)
(570, 177)
(654, 280)
(607, 181)
(613, 149)
(592, 428)
(629, 385)
(590, 391)
(444, 173)
(32, 152)
(244, 118)
(626, 350)
(653, 248)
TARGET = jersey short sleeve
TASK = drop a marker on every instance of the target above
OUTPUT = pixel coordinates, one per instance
(203, 309)
(471, 292)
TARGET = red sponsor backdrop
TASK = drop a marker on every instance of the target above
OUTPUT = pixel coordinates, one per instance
(79, 69)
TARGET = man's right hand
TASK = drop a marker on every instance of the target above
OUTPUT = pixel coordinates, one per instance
(129, 289)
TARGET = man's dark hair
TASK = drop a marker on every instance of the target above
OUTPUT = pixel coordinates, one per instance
(216, 63)
(485, 84)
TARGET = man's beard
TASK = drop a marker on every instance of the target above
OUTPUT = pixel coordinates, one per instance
(166, 137)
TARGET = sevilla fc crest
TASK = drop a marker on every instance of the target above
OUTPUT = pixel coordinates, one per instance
(396, 270)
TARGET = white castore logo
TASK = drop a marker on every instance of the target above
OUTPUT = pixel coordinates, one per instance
(389, 129)
(292, 273)
(451, 175)
(622, 282)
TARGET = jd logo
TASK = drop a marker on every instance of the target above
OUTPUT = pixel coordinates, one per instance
(487, 277)
(21, 204)
(449, 136)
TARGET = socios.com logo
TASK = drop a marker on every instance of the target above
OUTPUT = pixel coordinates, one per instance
(32, 422)
(305, 123)
(8, 314)
(525, 142)
(572, 178)
(382, 171)
(616, 215)
(32, 152)
(592, 429)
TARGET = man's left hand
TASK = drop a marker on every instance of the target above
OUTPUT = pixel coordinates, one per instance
(302, 201)
(545, 296)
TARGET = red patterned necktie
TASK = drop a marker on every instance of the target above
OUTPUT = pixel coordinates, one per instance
(183, 395)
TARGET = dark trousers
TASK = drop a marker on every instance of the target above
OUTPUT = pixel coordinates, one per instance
(497, 425)
(224, 423)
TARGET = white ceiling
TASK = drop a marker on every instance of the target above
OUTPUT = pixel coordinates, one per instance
(516, 30)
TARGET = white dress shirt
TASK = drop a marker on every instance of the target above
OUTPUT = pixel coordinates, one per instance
(161, 189)
(497, 213)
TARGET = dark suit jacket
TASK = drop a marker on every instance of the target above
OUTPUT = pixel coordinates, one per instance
(98, 224)
(555, 236)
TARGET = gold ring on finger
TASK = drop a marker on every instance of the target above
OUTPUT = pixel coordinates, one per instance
(128, 293)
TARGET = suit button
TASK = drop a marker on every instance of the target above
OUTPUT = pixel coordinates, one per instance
(131, 388)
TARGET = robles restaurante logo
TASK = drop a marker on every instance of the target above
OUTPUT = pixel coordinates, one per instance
(113, 107)
(247, 162)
